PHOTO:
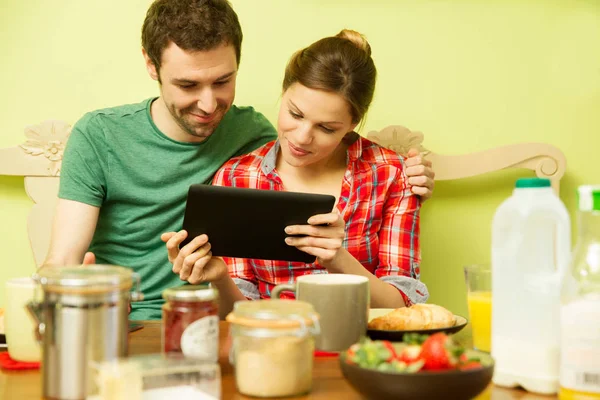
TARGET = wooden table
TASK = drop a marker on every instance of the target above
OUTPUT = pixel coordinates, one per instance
(328, 380)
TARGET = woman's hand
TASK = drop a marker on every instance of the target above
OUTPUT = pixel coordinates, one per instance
(194, 262)
(324, 236)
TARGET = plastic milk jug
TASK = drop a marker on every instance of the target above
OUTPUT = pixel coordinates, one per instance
(531, 235)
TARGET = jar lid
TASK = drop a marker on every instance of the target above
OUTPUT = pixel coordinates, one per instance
(84, 279)
(273, 314)
(191, 293)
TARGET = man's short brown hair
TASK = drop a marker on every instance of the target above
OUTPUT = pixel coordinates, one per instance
(196, 25)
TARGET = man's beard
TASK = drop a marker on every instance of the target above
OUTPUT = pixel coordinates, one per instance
(197, 129)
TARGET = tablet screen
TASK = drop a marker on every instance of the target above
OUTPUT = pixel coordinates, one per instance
(250, 223)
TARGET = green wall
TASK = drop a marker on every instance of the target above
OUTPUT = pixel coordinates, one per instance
(470, 74)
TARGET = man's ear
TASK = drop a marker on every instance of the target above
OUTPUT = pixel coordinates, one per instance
(150, 67)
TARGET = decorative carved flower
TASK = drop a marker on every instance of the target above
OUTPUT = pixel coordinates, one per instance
(54, 150)
(47, 139)
(399, 139)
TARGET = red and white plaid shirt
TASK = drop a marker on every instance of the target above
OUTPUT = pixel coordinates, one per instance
(381, 214)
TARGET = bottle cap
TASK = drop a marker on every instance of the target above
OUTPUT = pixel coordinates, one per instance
(532, 183)
(588, 197)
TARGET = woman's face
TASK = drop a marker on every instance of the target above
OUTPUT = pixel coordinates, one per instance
(311, 125)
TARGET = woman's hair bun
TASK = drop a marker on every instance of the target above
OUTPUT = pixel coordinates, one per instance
(356, 38)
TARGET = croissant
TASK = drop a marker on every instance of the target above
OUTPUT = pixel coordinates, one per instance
(415, 317)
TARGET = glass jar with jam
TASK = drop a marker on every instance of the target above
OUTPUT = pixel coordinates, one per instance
(191, 322)
(274, 339)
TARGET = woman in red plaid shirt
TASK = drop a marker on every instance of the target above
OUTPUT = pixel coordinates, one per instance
(374, 228)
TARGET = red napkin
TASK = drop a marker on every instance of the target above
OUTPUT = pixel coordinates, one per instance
(8, 363)
(319, 353)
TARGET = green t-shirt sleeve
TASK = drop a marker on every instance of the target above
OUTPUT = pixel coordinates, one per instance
(84, 165)
(263, 132)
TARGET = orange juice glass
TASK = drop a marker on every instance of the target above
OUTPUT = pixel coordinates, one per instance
(479, 299)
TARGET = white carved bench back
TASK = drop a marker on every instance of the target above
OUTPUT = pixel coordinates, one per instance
(545, 160)
(39, 160)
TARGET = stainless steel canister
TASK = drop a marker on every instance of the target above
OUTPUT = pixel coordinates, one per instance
(83, 317)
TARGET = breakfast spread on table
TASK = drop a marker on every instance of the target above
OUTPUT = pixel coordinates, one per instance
(273, 341)
(416, 317)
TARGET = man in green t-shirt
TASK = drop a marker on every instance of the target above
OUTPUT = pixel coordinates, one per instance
(126, 170)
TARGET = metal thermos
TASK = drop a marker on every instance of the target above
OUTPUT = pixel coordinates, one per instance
(82, 318)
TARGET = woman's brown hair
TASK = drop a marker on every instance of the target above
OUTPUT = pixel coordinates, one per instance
(340, 64)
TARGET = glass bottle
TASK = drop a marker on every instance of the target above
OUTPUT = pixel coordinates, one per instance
(580, 306)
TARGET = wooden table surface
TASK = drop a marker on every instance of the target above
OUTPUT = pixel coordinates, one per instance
(328, 380)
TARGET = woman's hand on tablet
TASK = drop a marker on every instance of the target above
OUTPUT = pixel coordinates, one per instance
(323, 236)
(193, 262)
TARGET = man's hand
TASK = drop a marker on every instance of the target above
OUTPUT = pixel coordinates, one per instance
(194, 262)
(420, 174)
(324, 236)
(89, 258)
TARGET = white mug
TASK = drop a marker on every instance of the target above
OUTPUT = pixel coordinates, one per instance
(18, 323)
(342, 302)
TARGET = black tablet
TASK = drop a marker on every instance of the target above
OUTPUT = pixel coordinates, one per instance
(250, 223)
